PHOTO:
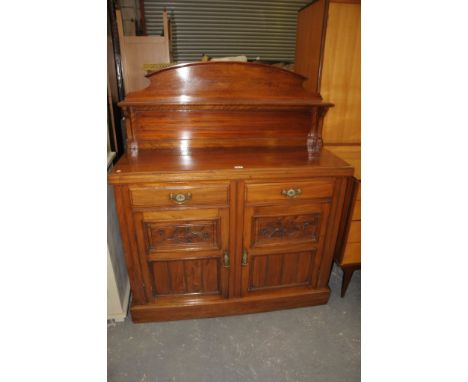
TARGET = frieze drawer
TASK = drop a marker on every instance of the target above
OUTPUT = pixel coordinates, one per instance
(293, 190)
(179, 195)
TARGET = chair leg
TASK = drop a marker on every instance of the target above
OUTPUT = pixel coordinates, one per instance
(347, 274)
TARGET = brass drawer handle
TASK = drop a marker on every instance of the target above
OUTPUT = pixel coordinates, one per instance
(291, 192)
(227, 261)
(180, 198)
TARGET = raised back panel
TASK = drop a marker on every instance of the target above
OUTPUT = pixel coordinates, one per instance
(227, 128)
(223, 82)
(222, 104)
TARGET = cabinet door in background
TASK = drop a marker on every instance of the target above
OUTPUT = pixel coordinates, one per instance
(341, 74)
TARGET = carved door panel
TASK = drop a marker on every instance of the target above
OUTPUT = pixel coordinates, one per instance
(282, 245)
(182, 252)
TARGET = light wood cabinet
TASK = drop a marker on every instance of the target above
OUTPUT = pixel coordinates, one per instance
(341, 74)
(217, 217)
(328, 54)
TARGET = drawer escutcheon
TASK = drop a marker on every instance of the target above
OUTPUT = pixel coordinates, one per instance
(291, 192)
(180, 198)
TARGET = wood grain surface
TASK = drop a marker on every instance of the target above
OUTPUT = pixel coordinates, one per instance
(341, 75)
(214, 229)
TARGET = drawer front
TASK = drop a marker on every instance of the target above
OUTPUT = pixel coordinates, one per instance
(291, 190)
(179, 195)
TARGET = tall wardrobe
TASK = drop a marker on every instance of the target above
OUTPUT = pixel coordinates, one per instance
(328, 53)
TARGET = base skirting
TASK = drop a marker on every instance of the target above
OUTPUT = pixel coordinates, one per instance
(225, 307)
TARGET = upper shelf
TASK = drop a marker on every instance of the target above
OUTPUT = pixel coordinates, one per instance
(222, 83)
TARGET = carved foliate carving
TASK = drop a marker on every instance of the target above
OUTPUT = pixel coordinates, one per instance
(199, 234)
(286, 228)
(185, 235)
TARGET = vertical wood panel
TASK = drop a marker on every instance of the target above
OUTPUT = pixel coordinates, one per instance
(311, 22)
(193, 276)
(243, 219)
(210, 275)
(176, 271)
(232, 241)
(145, 265)
(226, 274)
(357, 210)
(161, 277)
(352, 254)
(274, 270)
(138, 273)
(354, 234)
(332, 233)
(259, 271)
(349, 249)
(304, 267)
(290, 269)
(341, 74)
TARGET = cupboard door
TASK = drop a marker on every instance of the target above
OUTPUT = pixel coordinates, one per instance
(184, 253)
(282, 245)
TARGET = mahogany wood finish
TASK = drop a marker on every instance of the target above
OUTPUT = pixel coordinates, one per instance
(223, 209)
(224, 104)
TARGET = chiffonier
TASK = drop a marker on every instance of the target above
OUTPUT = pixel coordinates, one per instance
(227, 202)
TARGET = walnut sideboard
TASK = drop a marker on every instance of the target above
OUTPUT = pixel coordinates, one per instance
(227, 203)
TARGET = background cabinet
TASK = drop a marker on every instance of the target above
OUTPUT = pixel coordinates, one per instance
(348, 249)
(328, 54)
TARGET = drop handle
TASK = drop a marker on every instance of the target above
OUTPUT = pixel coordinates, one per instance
(227, 260)
(245, 258)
